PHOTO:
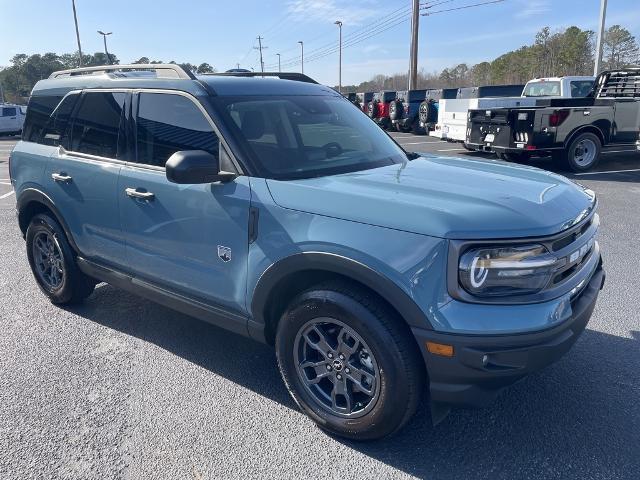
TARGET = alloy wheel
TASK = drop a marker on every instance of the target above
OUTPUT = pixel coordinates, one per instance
(48, 260)
(337, 367)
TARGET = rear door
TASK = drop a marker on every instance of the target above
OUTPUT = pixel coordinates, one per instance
(82, 175)
(189, 239)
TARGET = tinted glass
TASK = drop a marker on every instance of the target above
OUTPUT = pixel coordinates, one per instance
(169, 123)
(96, 125)
(9, 112)
(581, 88)
(56, 132)
(40, 107)
(309, 136)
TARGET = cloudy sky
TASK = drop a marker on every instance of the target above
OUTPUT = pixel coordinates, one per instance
(223, 33)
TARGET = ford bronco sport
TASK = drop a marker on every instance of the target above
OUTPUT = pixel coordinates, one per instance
(275, 209)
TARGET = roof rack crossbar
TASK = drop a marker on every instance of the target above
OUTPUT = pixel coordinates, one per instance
(176, 70)
(300, 77)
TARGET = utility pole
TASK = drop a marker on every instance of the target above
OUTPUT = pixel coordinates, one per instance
(339, 23)
(238, 66)
(260, 47)
(301, 54)
(599, 46)
(279, 69)
(75, 19)
(106, 52)
(413, 61)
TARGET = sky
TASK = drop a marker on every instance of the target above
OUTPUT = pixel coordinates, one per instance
(376, 33)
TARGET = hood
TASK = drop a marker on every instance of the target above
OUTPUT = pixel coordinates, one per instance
(444, 197)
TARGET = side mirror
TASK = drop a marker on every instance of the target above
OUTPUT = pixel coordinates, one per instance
(195, 166)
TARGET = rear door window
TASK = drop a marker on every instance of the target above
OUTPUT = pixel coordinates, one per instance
(168, 123)
(96, 126)
(9, 112)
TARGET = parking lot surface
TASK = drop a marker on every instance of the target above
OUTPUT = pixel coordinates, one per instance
(120, 387)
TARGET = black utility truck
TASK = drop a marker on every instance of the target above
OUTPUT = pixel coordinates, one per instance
(572, 130)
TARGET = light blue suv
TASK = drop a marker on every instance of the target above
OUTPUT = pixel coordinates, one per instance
(274, 208)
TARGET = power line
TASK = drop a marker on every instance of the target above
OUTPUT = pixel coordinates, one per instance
(368, 32)
(384, 18)
(392, 19)
(462, 8)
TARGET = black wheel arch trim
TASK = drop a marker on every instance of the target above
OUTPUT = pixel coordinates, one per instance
(338, 264)
(33, 195)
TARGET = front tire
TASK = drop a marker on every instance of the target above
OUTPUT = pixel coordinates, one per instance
(349, 362)
(53, 262)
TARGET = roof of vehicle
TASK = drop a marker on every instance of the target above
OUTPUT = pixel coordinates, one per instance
(558, 79)
(173, 77)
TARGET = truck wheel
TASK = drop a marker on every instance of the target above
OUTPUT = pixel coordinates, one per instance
(349, 362)
(582, 154)
(53, 263)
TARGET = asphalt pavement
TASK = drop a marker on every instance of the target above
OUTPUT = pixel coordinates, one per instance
(120, 387)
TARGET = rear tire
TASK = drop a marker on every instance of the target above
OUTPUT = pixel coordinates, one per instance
(582, 154)
(383, 375)
(53, 262)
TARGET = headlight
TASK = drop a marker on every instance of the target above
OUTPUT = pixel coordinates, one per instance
(501, 271)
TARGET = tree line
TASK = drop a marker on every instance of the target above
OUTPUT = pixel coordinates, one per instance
(18, 79)
(564, 52)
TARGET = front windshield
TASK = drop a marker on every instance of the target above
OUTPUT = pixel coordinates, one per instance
(309, 136)
(542, 89)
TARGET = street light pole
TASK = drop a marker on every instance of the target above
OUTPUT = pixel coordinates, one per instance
(106, 52)
(279, 69)
(75, 19)
(603, 12)
(301, 54)
(339, 23)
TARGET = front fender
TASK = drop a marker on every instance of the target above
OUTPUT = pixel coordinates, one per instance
(408, 270)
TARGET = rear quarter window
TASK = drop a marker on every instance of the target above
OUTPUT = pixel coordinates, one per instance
(39, 109)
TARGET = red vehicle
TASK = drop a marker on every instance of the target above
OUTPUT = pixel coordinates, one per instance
(378, 108)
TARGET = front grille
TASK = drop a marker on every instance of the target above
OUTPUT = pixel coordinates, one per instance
(576, 247)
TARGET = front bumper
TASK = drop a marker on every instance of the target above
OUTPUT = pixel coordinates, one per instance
(482, 366)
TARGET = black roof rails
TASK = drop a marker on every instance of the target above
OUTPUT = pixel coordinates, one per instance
(164, 70)
(298, 77)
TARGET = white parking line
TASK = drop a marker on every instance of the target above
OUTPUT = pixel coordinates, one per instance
(417, 143)
(609, 171)
(5, 183)
(7, 194)
(452, 150)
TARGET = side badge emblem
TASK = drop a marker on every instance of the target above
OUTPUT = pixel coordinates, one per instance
(224, 253)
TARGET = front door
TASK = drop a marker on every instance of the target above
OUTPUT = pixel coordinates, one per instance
(190, 239)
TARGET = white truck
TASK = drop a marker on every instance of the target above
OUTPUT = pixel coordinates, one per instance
(452, 113)
(11, 118)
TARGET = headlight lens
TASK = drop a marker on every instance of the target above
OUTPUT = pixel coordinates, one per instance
(502, 271)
